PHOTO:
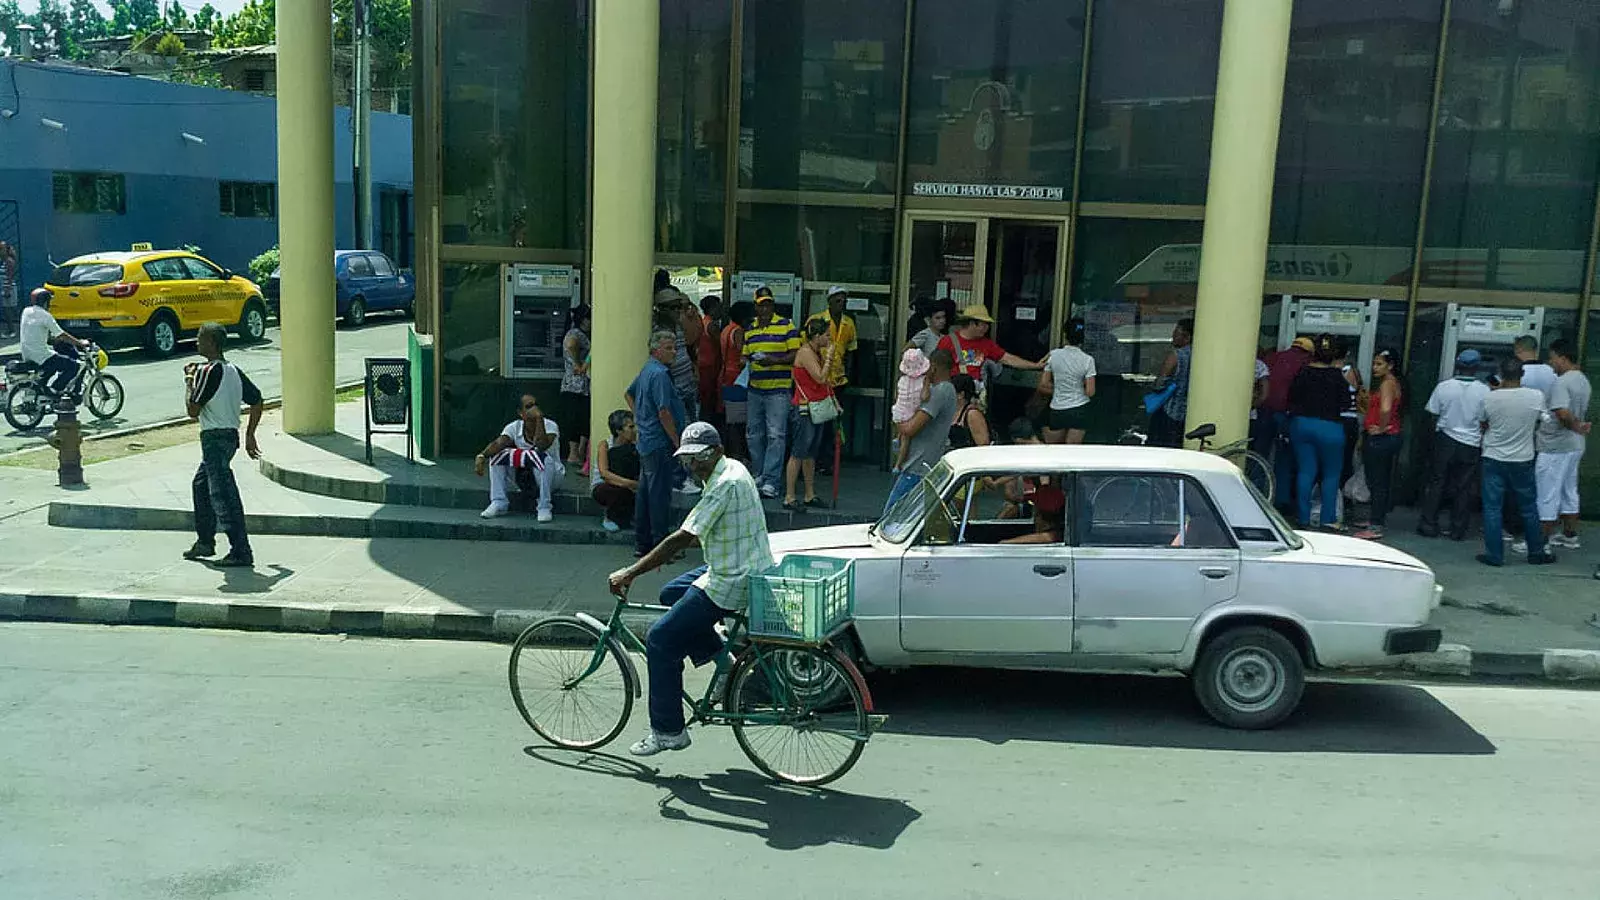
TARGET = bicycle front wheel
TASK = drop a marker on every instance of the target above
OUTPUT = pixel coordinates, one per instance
(1256, 468)
(791, 731)
(105, 397)
(570, 684)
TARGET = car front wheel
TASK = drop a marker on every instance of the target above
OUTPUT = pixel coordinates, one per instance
(1249, 677)
(253, 323)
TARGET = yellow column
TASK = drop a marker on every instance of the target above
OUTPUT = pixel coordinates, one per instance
(622, 239)
(1233, 255)
(305, 212)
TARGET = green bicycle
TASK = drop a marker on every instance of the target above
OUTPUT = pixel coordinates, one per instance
(799, 709)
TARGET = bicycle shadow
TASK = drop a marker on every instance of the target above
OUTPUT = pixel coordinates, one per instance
(744, 802)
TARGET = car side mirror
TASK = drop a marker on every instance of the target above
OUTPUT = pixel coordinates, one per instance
(228, 275)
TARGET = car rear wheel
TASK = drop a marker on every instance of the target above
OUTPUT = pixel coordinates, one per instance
(252, 325)
(1249, 677)
(356, 315)
(161, 334)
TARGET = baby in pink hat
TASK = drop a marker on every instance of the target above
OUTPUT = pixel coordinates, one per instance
(910, 394)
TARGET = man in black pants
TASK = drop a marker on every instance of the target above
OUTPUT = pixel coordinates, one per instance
(1453, 469)
(216, 391)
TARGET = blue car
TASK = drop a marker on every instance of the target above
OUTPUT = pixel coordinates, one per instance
(367, 282)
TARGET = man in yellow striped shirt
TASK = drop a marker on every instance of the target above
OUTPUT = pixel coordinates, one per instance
(769, 348)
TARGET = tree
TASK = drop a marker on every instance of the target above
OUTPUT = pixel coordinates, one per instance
(10, 17)
(135, 16)
(84, 24)
(254, 24)
(170, 46)
(54, 30)
(207, 19)
(176, 16)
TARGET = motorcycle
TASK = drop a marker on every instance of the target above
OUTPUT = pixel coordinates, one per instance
(27, 402)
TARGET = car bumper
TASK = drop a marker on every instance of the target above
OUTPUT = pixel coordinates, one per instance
(103, 332)
(1422, 639)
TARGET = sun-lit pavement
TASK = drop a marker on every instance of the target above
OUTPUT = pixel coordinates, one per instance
(154, 388)
(145, 763)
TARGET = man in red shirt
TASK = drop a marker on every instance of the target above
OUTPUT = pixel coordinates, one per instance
(968, 341)
(1282, 367)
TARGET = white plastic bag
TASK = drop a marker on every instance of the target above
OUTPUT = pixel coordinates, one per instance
(1356, 488)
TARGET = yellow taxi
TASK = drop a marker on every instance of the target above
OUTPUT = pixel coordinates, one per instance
(152, 298)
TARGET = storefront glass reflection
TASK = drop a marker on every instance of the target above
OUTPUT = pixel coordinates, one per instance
(692, 124)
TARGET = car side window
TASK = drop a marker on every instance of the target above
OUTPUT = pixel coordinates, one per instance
(381, 266)
(1147, 510)
(201, 270)
(1009, 508)
(166, 270)
(360, 268)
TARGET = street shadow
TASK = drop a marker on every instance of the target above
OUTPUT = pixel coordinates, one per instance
(785, 817)
(1133, 711)
(250, 581)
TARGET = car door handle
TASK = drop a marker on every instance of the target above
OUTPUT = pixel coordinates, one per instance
(1216, 571)
(1050, 571)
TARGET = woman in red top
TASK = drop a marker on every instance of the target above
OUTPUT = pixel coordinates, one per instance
(733, 397)
(805, 436)
(708, 357)
(1385, 407)
(969, 343)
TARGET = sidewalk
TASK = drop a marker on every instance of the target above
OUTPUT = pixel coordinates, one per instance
(388, 582)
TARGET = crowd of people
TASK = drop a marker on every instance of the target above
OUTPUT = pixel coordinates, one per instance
(1333, 433)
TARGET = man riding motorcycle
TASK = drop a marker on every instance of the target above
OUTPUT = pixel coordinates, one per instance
(40, 336)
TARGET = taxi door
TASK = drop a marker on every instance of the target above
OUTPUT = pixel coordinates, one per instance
(222, 300)
(172, 288)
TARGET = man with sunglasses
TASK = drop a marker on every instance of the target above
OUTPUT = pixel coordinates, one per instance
(525, 444)
(730, 526)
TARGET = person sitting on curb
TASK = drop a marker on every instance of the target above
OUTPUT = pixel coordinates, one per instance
(531, 443)
(615, 483)
(731, 527)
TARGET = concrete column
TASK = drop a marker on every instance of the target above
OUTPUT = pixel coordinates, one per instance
(622, 233)
(305, 212)
(1233, 256)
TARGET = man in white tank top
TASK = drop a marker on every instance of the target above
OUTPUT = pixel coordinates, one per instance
(216, 391)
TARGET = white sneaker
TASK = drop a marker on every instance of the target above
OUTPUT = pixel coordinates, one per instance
(1520, 547)
(610, 526)
(494, 511)
(689, 487)
(769, 492)
(654, 743)
(1569, 541)
(546, 515)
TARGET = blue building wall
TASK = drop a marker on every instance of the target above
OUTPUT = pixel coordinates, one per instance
(134, 127)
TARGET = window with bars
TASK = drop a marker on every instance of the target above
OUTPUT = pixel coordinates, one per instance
(89, 192)
(249, 199)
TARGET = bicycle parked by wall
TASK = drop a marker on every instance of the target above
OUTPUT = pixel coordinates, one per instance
(1257, 469)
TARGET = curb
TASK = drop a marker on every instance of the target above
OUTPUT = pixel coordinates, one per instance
(502, 626)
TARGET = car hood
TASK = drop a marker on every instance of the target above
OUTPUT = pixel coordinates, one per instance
(811, 540)
(1342, 547)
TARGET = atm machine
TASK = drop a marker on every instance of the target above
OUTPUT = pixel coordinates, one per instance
(536, 303)
(1488, 329)
(1311, 316)
(786, 290)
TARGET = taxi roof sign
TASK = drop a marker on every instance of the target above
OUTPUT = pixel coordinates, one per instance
(142, 247)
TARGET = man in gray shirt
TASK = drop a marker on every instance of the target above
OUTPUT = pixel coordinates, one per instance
(927, 432)
(1511, 415)
(1560, 443)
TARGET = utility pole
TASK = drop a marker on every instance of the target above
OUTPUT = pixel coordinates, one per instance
(361, 112)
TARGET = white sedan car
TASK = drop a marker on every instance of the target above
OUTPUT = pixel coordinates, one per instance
(1123, 559)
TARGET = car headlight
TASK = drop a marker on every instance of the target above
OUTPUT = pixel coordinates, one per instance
(1438, 595)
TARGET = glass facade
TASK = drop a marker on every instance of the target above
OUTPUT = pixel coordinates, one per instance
(994, 93)
(514, 128)
(692, 121)
(832, 185)
(1518, 146)
(820, 95)
(1152, 91)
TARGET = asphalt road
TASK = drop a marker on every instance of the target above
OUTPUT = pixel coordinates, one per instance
(154, 388)
(149, 763)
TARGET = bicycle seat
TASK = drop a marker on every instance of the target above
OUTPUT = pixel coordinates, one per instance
(1201, 433)
(20, 367)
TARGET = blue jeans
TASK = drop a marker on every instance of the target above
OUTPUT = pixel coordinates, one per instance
(768, 431)
(1517, 477)
(56, 373)
(216, 493)
(1318, 452)
(902, 486)
(652, 506)
(685, 630)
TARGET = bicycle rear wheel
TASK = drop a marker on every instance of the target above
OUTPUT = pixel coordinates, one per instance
(787, 729)
(570, 684)
(1256, 468)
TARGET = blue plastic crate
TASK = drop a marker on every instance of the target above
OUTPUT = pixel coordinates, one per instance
(802, 598)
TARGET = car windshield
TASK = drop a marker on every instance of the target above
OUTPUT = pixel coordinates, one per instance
(1284, 528)
(900, 521)
(86, 274)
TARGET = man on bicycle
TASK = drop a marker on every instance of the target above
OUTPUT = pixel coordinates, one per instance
(41, 338)
(731, 527)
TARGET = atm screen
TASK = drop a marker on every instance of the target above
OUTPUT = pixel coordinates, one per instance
(538, 326)
(1490, 355)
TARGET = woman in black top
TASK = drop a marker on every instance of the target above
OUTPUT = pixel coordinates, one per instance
(971, 426)
(1317, 397)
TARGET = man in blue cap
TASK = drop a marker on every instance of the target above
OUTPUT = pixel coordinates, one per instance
(1457, 404)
